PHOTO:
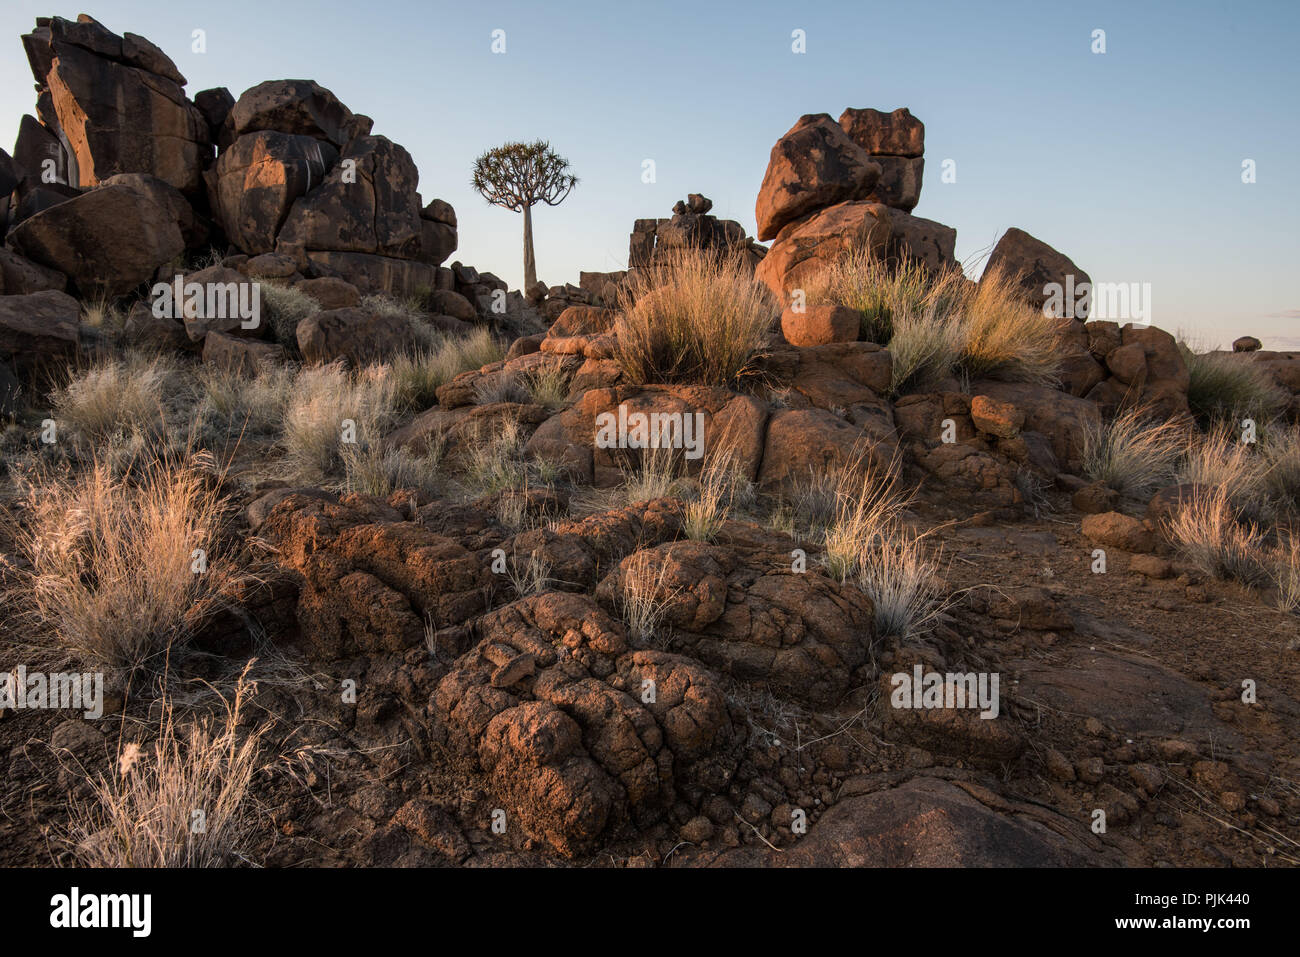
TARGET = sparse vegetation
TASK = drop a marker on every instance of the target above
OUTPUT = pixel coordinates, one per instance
(112, 578)
(1133, 454)
(693, 319)
(143, 811)
(1227, 387)
(645, 598)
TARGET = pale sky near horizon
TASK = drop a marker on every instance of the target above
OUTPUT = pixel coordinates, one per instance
(1130, 161)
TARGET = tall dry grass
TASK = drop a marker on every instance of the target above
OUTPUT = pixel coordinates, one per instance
(418, 375)
(182, 801)
(1226, 387)
(1209, 536)
(883, 293)
(136, 393)
(330, 404)
(122, 567)
(693, 319)
(1134, 453)
(1004, 338)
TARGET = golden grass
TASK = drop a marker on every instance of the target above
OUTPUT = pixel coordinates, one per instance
(693, 319)
(327, 400)
(122, 568)
(182, 801)
(1208, 536)
(882, 293)
(1133, 454)
(1004, 338)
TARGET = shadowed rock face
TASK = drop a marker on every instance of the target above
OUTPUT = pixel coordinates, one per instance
(814, 165)
(367, 204)
(1033, 263)
(119, 105)
(107, 241)
(553, 704)
(255, 183)
(927, 822)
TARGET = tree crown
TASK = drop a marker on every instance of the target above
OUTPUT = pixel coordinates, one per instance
(517, 175)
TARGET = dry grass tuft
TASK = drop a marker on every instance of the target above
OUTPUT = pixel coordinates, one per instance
(645, 599)
(1004, 338)
(182, 802)
(283, 307)
(113, 578)
(1208, 535)
(695, 319)
(1133, 454)
(1226, 388)
(119, 396)
(883, 294)
(325, 400)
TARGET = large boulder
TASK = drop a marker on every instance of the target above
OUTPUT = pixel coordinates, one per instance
(370, 273)
(801, 443)
(120, 106)
(895, 142)
(551, 704)
(254, 184)
(34, 146)
(37, 328)
(893, 134)
(900, 181)
(107, 241)
(193, 228)
(19, 276)
(805, 248)
(929, 822)
(301, 107)
(814, 165)
(367, 204)
(1034, 265)
(1066, 420)
(930, 243)
(356, 334)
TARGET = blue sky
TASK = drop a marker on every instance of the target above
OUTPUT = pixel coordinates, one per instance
(1128, 161)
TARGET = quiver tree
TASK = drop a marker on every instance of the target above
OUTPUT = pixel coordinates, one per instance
(518, 176)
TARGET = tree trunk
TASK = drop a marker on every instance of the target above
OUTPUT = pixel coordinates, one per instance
(530, 263)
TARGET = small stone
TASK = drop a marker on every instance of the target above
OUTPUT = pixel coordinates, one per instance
(1152, 566)
(697, 830)
(1147, 777)
(754, 808)
(992, 417)
(1232, 801)
(1058, 765)
(1090, 770)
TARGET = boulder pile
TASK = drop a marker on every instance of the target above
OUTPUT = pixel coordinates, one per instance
(691, 227)
(833, 187)
(122, 181)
